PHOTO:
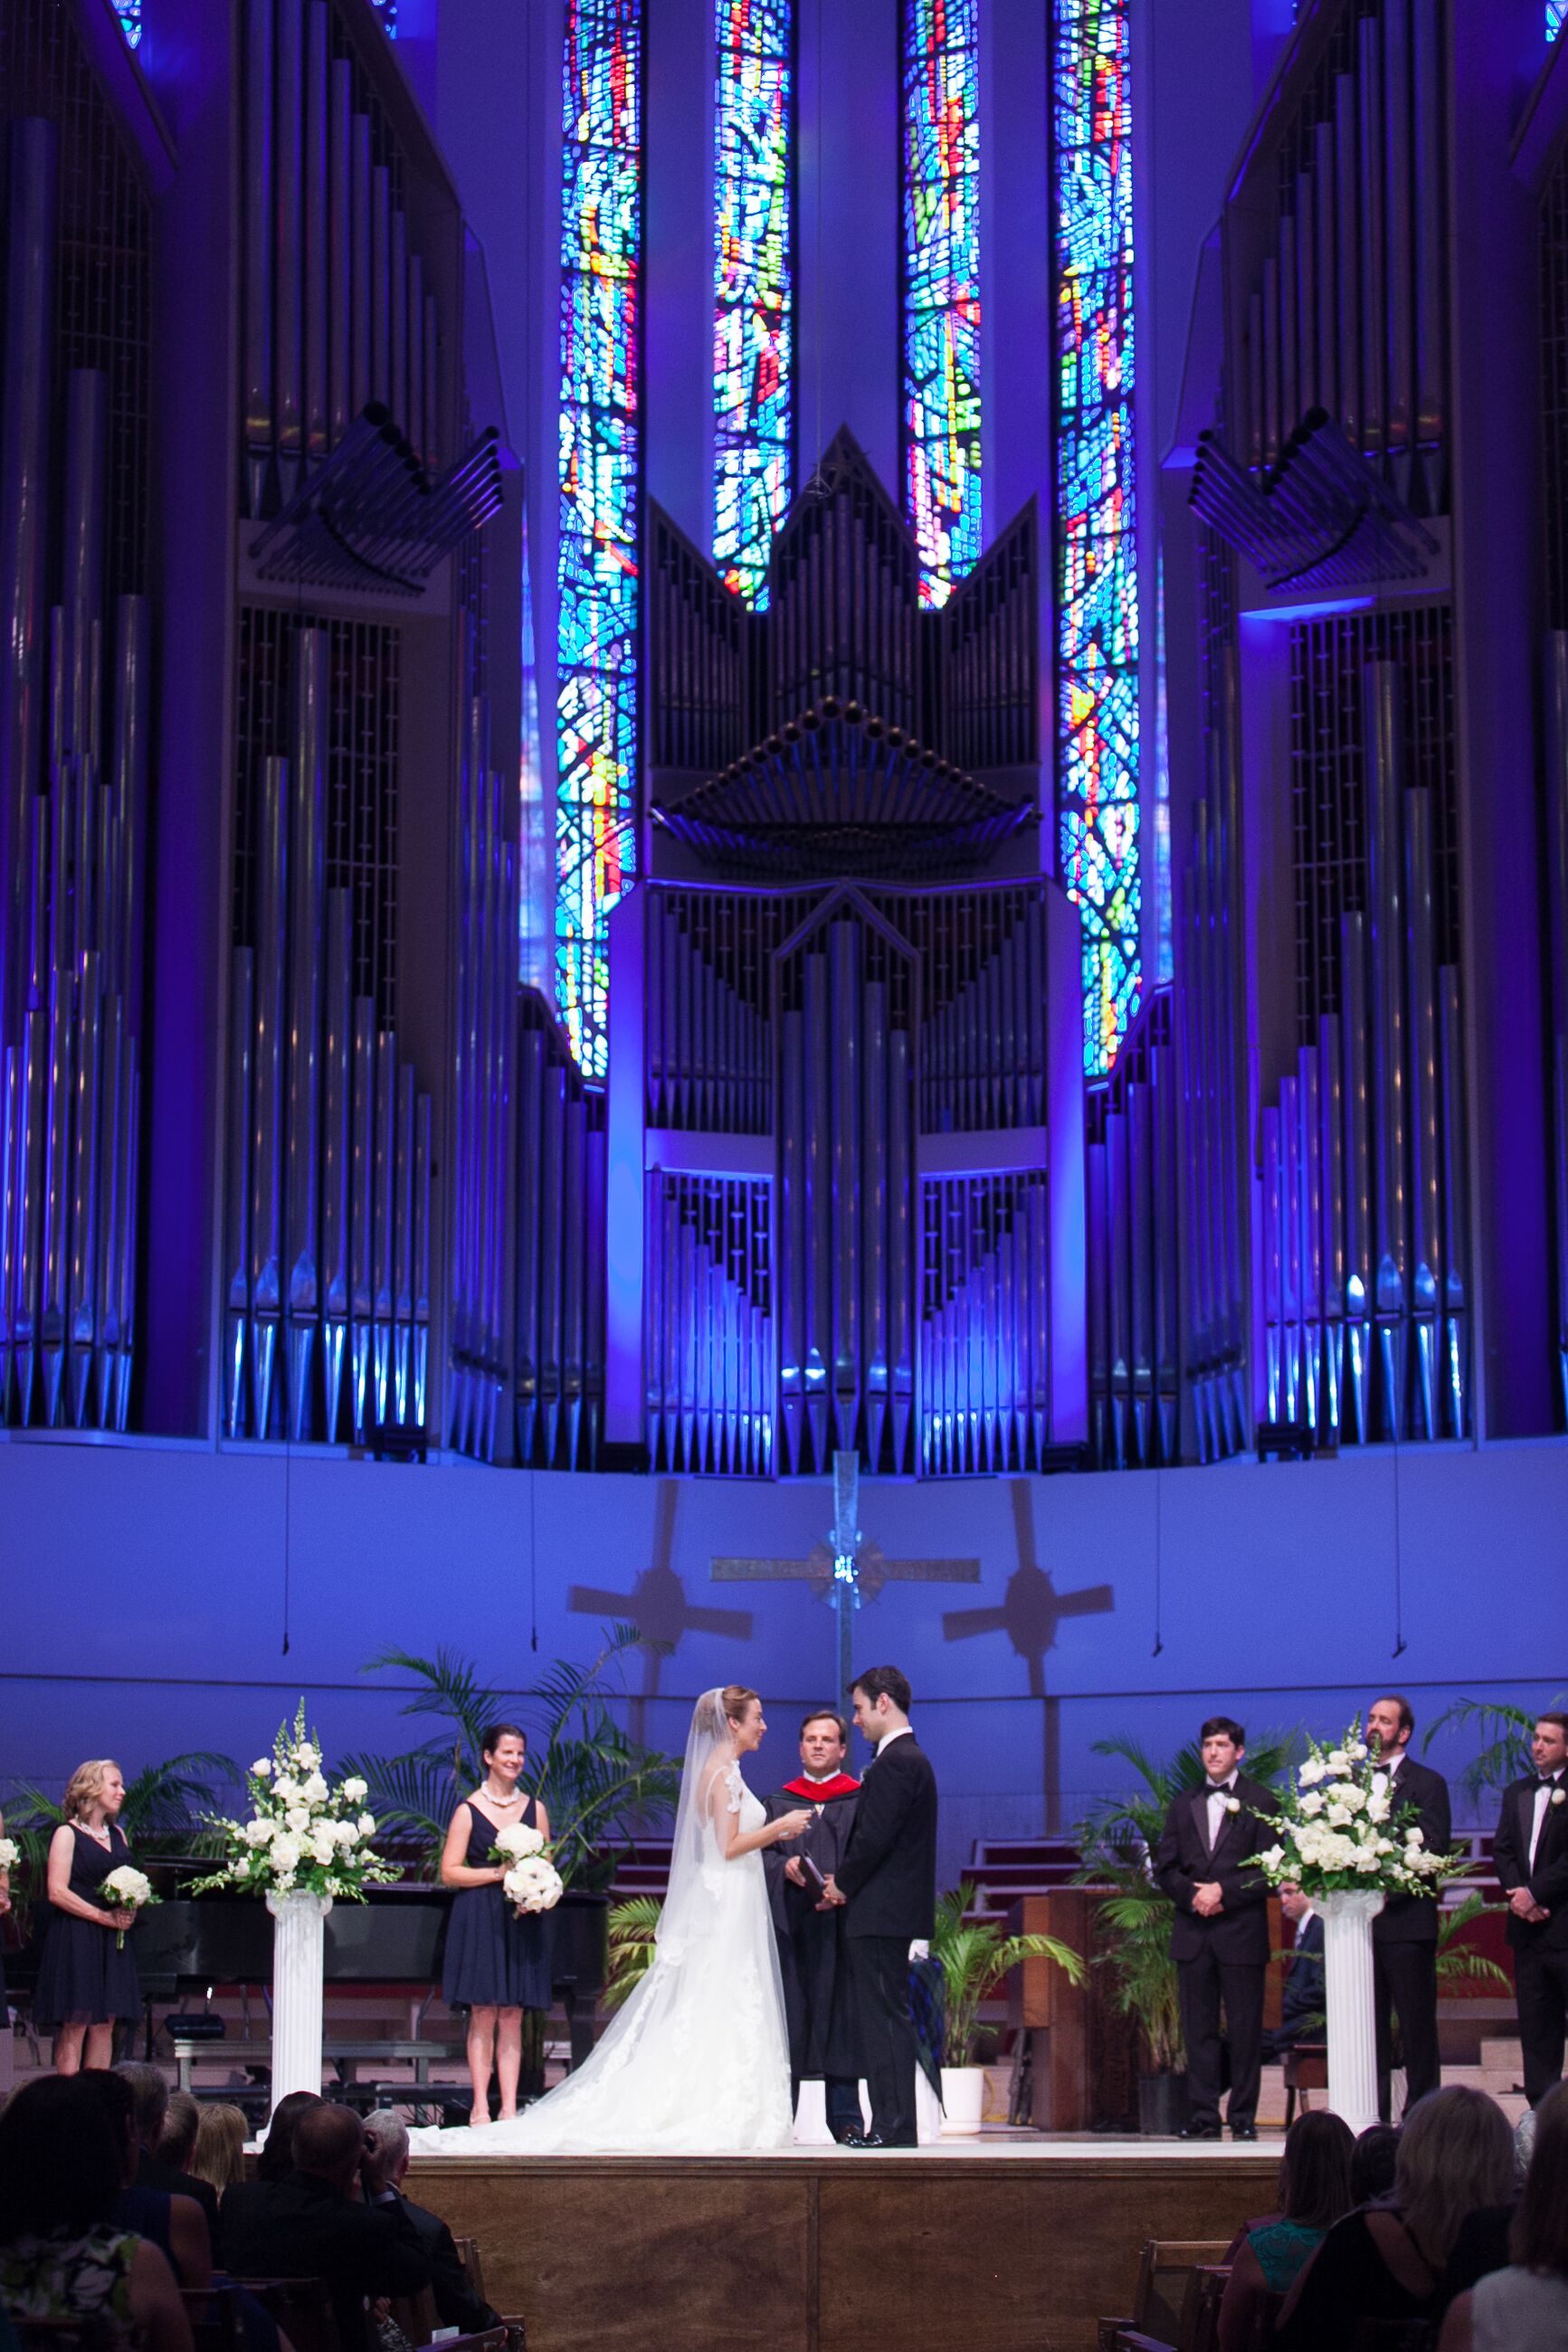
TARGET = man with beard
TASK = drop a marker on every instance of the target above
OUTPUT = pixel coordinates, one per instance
(810, 1940)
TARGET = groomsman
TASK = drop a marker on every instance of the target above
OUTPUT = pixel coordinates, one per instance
(1219, 1937)
(1404, 1932)
(1531, 1851)
(811, 1955)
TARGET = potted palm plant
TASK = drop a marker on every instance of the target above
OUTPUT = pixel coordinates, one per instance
(1116, 1841)
(976, 1956)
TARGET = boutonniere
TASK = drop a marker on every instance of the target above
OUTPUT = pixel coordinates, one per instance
(1233, 1804)
(1557, 1796)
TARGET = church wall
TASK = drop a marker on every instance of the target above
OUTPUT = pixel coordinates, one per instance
(160, 1582)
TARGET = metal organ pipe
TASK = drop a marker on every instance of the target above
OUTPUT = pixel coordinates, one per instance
(288, 256)
(1556, 762)
(1384, 756)
(318, 200)
(306, 868)
(336, 1095)
(258, 254)
(237, 1266)
(1426, 1170)
(267, 1126)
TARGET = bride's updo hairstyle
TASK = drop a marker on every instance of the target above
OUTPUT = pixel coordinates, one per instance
(735, 1700)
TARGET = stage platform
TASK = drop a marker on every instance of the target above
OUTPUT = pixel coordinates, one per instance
(1015, 2241)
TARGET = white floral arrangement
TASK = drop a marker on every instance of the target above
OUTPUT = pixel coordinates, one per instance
(532, 1882)
(304, 1836)
(1339, 1834)
(128, 1890)
(10, 1854)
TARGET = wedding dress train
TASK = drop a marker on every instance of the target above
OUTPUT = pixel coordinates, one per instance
(696, 2061)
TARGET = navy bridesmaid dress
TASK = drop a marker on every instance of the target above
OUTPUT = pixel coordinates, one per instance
(495, 1958)
(84, 1977)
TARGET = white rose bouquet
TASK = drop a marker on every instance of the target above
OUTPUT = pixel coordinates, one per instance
(303, 1836)
(533, 1884)
(9, 1853)
(516, 1844)
(1339, 1834)
(128, 1890)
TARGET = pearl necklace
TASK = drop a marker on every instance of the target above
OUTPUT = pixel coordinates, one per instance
(486, 1790)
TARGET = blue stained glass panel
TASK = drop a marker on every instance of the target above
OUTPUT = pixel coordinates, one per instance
(942, 289)
(753, 324)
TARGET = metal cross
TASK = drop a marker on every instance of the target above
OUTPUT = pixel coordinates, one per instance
(846, 1570)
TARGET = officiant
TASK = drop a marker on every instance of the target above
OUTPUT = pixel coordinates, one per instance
(817, 2002)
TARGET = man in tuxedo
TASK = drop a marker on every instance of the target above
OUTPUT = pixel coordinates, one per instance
(1404, 1932)
(1219, 1937)
(1303, 2007)
(888, 1880)
(1530, 1852)
(817, 2003)
(386, 2162)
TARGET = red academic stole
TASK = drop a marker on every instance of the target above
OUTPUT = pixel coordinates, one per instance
(817, 1792)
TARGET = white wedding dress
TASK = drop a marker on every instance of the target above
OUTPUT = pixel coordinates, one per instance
(696, 2061)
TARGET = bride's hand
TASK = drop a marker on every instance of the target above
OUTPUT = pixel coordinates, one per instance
(789, 1825)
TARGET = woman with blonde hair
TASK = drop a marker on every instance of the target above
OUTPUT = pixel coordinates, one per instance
(1456, 2153)
(696, 2061)
(218, 2157)
(1527, 2304)
(87, 1978)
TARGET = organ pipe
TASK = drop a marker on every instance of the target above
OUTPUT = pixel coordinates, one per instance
(1556, 762)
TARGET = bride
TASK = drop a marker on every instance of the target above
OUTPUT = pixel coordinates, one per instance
(696, 2062)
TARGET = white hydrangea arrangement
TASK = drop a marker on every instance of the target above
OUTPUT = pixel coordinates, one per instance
(532, 1882)
(128, 1890)
(1338, 1835)
(304, 1836)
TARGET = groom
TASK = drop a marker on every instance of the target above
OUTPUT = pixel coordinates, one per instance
(888, 1879)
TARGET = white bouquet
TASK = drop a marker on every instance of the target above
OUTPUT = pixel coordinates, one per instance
(534, 1884)
(9, 1853)
(517, 1843)
(128, 1890)
(304, 1836)
(1339, 1833)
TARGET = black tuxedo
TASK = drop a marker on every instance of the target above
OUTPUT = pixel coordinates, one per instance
(1540, 1946)
(1404, 1948)
(1222, 1958)
(456, 2304)
(888, 1877)
(301, 2227)
(818, 2008)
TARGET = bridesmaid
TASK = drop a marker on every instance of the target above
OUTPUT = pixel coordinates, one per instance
(498, 1962)
(87, 1984)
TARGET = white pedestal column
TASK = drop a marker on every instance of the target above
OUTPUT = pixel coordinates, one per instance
(298, 1942)
(1347, 1996)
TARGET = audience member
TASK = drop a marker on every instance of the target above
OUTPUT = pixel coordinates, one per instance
(175, 2224)
(243, 2200)
(63, 2255)
(456, 2304)
(219, 2155)
(1525, 2303)
(1456, 2152)
(1372, 2163)
(316, 2225)
(1314, 2193)
(156, 2167)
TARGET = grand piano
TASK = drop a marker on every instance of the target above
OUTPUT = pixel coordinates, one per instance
(398, 1936)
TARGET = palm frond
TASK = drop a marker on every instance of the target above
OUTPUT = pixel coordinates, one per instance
(1504, 1732)
(634, 1927)
(1457, 1960)
(452, 1689)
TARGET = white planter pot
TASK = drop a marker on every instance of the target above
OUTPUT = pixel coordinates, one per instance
(1347, 1997)
(299, 1938)
(963, 2099)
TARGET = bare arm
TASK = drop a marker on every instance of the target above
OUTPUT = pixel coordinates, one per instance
(62, 1851)
(1458, 2334)
(733, 1841)
(1244, 2291)
(454, 1871)
(541, 1821)
(189, 2244)
(155, 2304)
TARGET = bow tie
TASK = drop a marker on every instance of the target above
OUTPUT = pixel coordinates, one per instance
(1547, 1781)
(1219, 1788)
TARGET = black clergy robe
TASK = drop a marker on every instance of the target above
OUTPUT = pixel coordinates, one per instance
(817, 2004)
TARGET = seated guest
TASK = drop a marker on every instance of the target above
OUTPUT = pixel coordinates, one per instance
(1302, 2009)
(1456, 2152)
(1526, 2302)
(159, 2166)
(1314, 2193)
(175, 2224)
(244, 2198)
(316, 2224)
(456, 2304)
(63, 2256)
(1372, 2163)
(218, 2157)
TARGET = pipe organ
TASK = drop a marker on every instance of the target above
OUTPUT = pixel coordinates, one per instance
(1554, 516)
(558, 1344)
(74, 738)
(1133, 1231)
(335, 311)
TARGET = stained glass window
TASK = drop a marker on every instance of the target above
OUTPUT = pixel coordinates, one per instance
(942, 289)
(130, 15)
(754, 331)
(387, 11)
(596, 713)
(1096, 567)
(1555, 11)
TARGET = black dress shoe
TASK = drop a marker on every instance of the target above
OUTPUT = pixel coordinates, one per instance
(1243, 2131)
(1199, 2131)
(863, 2139)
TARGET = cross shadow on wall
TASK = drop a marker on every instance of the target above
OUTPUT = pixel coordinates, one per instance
(657, 1606)
(1030, 1614)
